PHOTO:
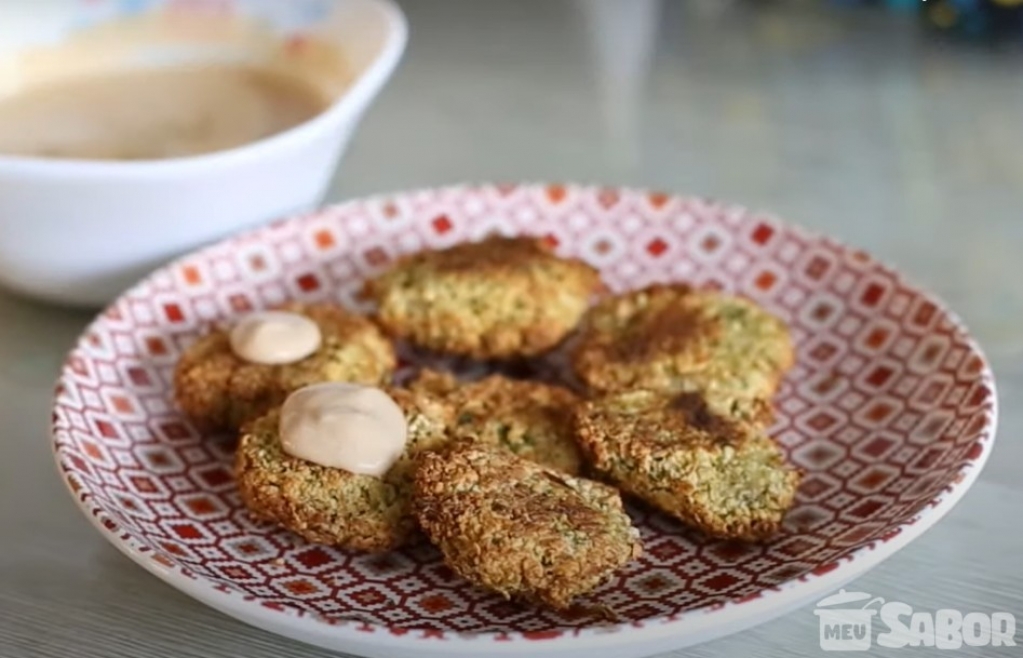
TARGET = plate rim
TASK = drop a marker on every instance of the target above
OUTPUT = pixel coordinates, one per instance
(689, 627)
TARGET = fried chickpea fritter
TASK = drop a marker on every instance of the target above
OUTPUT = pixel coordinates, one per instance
(721, 476)
(514, 527)
(676, 338)
(495, 299)
(218, 390)
(532, 419)
(330, 505)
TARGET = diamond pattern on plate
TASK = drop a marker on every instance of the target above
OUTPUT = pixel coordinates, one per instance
(889, 406)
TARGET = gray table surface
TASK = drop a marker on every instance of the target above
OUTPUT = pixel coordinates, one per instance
(846, 121)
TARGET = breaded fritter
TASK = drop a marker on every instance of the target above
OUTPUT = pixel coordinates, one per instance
(500, 298)
(218, 390)
(532, 419)
(716, 474)
(330, 505)
(676, 338)
(514, 527)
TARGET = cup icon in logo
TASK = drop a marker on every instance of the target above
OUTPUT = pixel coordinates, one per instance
(846, 628)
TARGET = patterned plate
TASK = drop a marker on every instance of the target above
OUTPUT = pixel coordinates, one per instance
(890, 409)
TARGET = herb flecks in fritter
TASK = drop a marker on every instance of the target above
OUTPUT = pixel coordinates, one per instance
(500, 298)
(330, 505)
(514, 527)
(677, 338)
(724, 477)
(218, 390)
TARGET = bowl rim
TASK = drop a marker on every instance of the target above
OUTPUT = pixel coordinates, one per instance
(362, 89)
(697, 625)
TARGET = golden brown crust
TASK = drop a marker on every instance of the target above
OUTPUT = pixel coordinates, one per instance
(676, 338)
(496, 299)
(514, 527)
(330, 505)
(532, 419)
(722, 476)
(219, 391)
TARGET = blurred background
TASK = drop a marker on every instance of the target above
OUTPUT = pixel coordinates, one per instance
(897, 126)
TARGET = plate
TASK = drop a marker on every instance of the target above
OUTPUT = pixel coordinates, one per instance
(890, 409)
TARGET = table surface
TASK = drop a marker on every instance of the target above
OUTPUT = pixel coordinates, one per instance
(848, 121)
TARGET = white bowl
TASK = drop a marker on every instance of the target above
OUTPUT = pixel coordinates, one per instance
(78, 232)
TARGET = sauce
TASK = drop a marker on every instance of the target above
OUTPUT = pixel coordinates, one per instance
(154, 114)
(275, 337)
(356, 428)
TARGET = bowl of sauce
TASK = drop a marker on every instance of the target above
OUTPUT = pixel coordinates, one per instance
(172, 112)
(131, 133)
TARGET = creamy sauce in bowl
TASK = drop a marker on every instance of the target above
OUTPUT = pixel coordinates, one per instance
(155, 114)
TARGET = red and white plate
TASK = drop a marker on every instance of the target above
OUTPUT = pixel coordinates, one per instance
(890, 410)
